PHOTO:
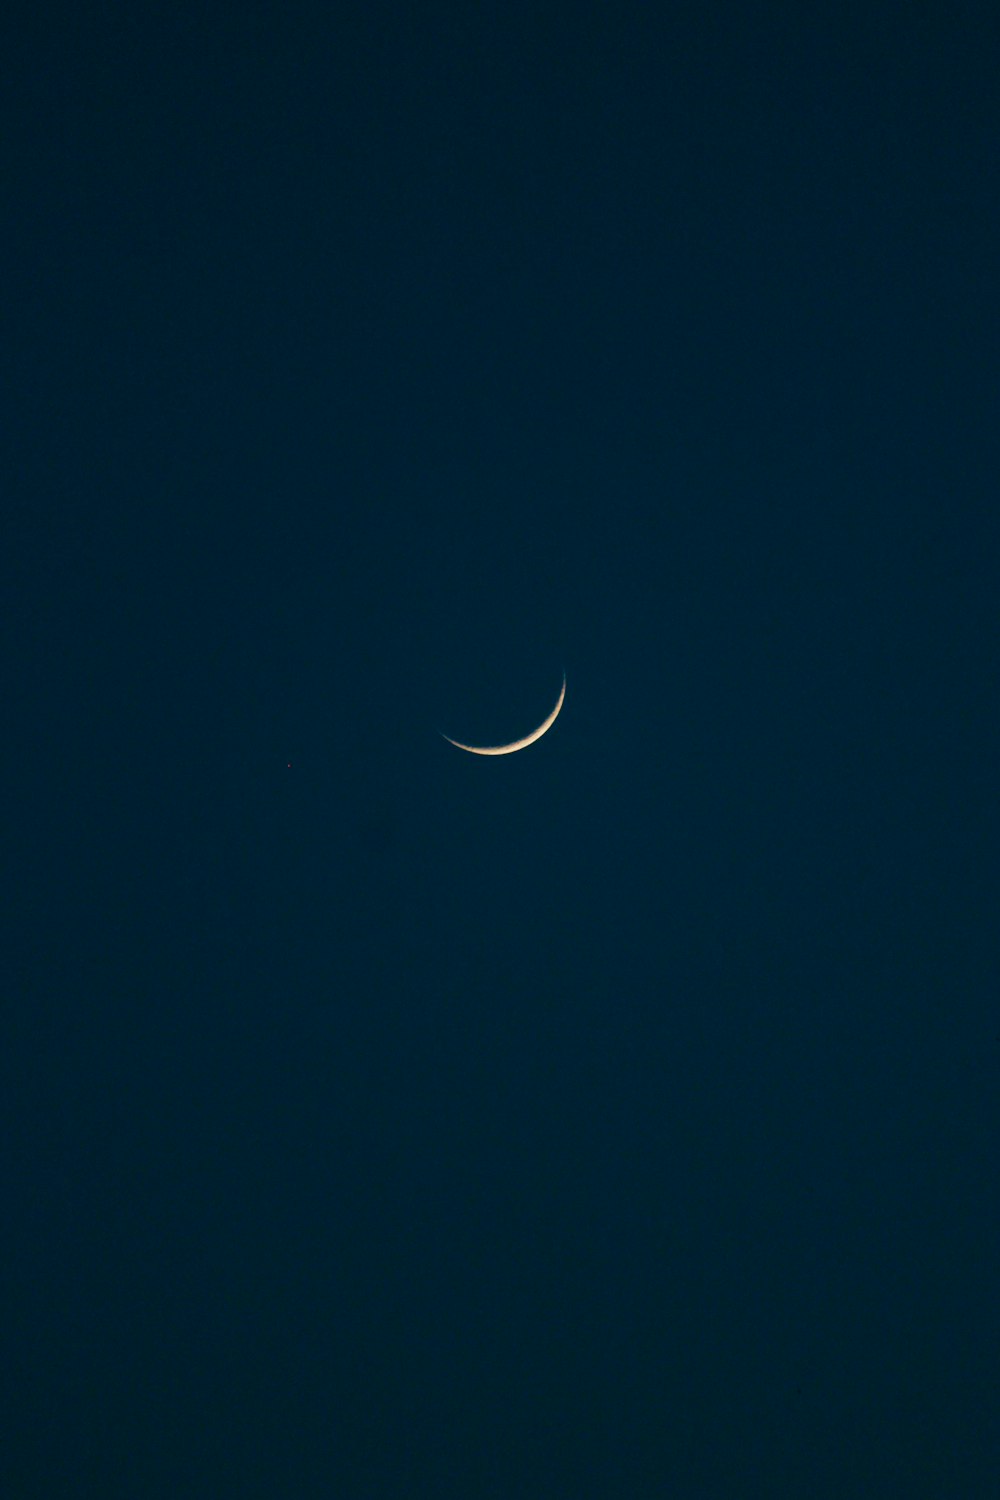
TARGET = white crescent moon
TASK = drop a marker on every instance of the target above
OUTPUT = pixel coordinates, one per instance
(529, 739)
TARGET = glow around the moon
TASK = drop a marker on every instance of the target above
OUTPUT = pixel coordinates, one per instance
(529, 739)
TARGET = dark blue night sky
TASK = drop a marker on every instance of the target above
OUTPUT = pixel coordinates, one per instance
(618, 1118)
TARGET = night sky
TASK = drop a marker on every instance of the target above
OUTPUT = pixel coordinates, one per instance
(614, 1119)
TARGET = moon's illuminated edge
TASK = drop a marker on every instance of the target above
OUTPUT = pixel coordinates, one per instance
(529, 739)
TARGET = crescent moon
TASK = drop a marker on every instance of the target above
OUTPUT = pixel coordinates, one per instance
(529, 739)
